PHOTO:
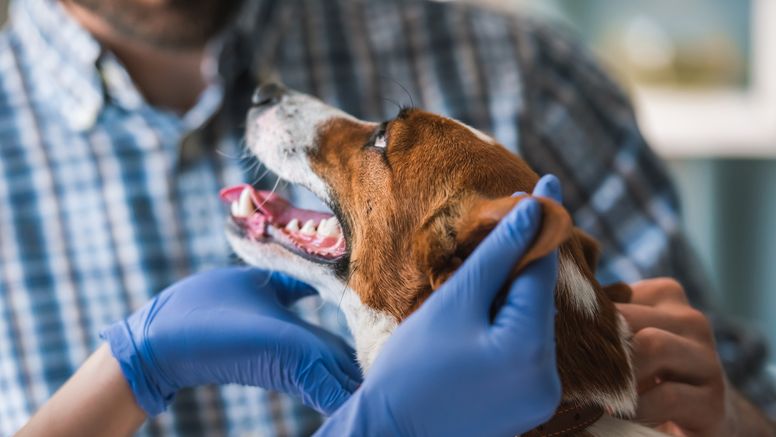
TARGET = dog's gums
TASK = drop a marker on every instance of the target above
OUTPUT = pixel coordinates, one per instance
(268, 218)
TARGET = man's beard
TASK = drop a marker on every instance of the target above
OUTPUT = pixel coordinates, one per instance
(168, 24)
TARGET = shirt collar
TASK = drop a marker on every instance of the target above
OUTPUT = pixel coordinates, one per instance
(78, 76)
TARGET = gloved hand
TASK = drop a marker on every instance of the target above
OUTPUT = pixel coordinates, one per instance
(449, 370)
(231, 326)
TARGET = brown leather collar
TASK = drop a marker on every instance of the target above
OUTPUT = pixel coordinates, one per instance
(568, 419)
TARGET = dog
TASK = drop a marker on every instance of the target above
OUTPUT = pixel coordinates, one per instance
(410, 199)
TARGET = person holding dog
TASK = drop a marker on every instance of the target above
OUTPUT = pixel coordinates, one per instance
(121, 119)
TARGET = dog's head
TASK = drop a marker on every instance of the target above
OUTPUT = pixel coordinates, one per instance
(412, 197)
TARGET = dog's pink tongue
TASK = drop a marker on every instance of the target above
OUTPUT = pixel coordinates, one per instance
(275, 209)
(324, 238)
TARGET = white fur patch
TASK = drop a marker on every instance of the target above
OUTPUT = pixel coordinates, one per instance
(622, 404)
(281, 137)
(273, 257)
(478, 133)
(626, 407)
(373, 328)
(577, 287)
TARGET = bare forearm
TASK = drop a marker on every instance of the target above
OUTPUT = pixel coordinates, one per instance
(96, 401)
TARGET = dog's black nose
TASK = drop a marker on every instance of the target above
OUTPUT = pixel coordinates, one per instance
(268, 94)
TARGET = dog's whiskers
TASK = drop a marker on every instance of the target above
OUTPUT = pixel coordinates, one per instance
(272, 191)
(406, 91)
(395, 103)
(269, 279)
(354, 265)
(242, 151)
(226, 154)
(260, 177)
(277, 182)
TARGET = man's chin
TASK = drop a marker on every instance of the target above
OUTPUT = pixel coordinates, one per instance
(170, 25)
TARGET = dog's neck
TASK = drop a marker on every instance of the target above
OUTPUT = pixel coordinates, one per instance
(370, 328)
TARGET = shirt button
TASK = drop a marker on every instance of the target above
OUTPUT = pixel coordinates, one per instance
(83, 118)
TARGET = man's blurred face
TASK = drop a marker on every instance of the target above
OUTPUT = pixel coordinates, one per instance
(174, 24)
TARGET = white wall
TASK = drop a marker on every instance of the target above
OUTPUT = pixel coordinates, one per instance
(730, 215)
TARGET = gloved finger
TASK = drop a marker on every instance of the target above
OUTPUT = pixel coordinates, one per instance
(320, 389)
(475, 285)
(349, 381)
(549, 186)
(345, 367)
(289, 290)
(348, 372)
(529, 308)
(334, 367)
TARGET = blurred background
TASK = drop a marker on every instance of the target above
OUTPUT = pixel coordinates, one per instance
(702, 74)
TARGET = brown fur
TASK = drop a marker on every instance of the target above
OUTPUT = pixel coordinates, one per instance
(414, 211)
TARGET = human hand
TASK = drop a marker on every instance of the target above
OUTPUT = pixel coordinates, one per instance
(681, 382)
(449, 369)
(228, 326)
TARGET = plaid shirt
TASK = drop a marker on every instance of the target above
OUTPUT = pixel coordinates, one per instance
(105, 200)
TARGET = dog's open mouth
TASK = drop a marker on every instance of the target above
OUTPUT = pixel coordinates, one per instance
(265, 217)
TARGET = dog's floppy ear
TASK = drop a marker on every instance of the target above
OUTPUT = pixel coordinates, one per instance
(475, 220)
(554, 229)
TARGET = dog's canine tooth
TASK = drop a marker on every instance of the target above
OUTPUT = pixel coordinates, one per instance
(308, 228)
(244, 205)
(293, 225)
(329, 227)
(235, 207)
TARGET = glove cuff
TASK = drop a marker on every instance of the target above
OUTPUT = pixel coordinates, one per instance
(148, 395)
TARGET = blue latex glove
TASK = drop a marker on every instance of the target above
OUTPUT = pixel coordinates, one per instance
(449, 370)
(231, 326)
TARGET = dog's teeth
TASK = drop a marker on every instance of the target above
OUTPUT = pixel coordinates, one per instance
(293, 225)
(244, 206)
(335, 226)
(323, 228)
(308, 228)
(329, 227)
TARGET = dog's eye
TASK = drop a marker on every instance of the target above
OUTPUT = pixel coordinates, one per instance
(377, 140)
(380, 141)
